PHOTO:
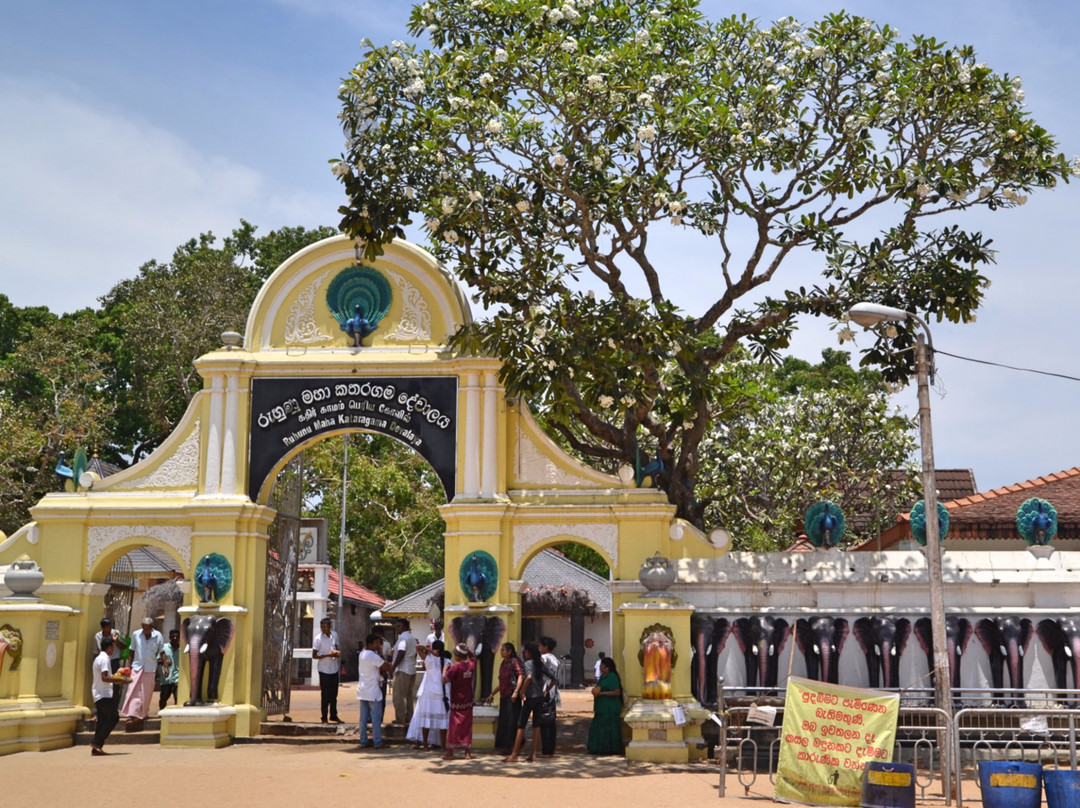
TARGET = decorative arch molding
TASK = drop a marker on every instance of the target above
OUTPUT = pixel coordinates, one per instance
(540, 462)
(529, 538)
(102, 537)
(180, 470)
(300, 326)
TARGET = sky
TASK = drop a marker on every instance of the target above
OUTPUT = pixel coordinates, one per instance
(127, 128)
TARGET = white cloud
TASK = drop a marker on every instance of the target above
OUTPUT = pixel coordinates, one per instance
(95, 192)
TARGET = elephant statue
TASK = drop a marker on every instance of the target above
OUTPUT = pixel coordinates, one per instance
(483, 635)
(821, 639)
(1006, 640)
(207, 639)
(1061, 638)
(761, 639)
(882, 640)
(709, 635)
(958, 632)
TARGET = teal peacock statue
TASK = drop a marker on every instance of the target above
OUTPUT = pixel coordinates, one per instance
(359, 297)
(1037, 521)
(918, 521)
(824, 522)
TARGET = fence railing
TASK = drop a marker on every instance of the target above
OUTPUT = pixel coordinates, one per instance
(1032, 725)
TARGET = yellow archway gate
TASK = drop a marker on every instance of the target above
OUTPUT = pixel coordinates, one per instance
(296, 376)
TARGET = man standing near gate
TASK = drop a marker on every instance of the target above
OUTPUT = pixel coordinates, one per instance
(327, 653)
(147, 647)
(404, 667)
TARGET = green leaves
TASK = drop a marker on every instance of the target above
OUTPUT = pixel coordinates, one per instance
(394, 532)
(546, 144)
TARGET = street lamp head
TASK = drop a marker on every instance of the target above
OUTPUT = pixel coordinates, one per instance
(870, 314)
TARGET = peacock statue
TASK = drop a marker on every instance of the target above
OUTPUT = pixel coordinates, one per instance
(359, 297)
(213, 577)
(1037, 521)
(649, 471)
(918, 521)
(69, 475)
(476, 579)
(824, 523)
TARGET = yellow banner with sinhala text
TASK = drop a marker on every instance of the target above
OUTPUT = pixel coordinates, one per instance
(829, 734)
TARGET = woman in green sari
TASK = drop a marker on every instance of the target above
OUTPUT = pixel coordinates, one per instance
(605, 731)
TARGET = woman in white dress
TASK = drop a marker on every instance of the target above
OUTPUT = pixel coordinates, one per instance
(431, 712)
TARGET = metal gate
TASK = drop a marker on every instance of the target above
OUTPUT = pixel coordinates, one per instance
(122, 584)
(281, 560)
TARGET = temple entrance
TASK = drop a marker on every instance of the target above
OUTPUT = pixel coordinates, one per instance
(332, 345)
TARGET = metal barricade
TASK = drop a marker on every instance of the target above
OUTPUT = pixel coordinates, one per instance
(753, 750)
(1036, 726)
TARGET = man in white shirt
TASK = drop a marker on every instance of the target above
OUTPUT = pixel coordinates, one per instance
(371, 669)
(114, 656)
(596, 667)
(404, 667)
(101, 687)
(147, 649)
(326, 651)
(436, 633)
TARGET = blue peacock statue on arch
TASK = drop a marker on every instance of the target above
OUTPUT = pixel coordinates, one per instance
(359, 297)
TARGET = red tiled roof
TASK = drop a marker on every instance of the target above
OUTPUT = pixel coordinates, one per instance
(992, 514)
(801, 545)
(354, 591)
(955, 483)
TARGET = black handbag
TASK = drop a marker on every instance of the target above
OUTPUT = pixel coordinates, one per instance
(545, 713)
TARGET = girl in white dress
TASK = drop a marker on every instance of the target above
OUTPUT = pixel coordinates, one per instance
(431, 712)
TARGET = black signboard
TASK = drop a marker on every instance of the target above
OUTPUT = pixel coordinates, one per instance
(421, 412)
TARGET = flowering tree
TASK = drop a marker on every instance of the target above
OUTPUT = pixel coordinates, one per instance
(803, 434)
(543, 142)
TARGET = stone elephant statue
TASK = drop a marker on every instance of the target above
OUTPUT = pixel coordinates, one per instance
(709, 635)
(1061, 638)
(761, 639)
(958, 632)
(821, 639)
(207, 639)
(883, 640)
(1006, 640)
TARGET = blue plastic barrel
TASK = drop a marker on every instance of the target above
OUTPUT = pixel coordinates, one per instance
(888, 785)
(1062, 788)
(1010, 784)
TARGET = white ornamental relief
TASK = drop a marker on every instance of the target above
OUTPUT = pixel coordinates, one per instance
(181, 470)
(537, 468)
(415, 318)
(100, 538)
(604, 536)
(300, 325)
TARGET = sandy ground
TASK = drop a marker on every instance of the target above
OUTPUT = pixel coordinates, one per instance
(269, 775)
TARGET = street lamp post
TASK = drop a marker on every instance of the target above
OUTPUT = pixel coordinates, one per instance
(867, 315)
(341, 540)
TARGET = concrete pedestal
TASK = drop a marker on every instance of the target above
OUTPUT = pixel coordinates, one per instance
(484, 722)
(198, 727)
(36, 709)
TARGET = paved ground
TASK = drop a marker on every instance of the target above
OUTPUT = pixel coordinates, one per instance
(287, 775)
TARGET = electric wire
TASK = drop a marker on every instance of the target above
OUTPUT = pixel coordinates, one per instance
(1007, 367)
